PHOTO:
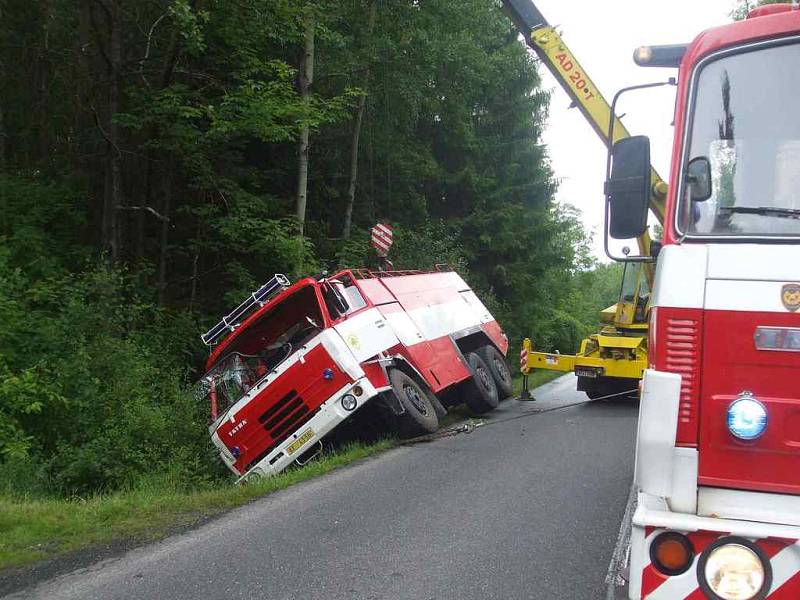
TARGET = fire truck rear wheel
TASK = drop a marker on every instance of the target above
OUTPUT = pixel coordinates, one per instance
(498, 367)
(481, 391)
(420, 416)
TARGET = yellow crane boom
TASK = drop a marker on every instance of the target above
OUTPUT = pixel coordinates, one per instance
(554, 53)
(612, 361)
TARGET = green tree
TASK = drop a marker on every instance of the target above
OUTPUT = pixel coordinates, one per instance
(742, 7)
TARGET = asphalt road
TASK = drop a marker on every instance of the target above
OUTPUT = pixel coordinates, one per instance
(525, 507)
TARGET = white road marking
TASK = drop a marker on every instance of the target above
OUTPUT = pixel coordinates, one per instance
(619, 560)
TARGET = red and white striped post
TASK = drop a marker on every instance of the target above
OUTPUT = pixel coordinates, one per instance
(525, 368)
(382, 238)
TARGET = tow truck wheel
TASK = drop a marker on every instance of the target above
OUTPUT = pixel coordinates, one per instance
(481, 391)
(614, 389)
(498, 367)
(420, 416)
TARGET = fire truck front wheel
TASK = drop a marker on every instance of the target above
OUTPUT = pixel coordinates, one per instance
(498, 367)
(481, 391)
(420, 416)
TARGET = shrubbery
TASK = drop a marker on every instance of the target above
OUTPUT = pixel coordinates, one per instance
(93, 387)
(93, 376)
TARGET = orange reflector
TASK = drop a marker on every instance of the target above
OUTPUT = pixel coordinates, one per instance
(671, 553)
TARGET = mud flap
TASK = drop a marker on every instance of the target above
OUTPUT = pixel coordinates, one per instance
(390, 401)
(441, 411)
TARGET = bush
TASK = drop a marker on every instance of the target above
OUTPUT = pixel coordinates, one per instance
(93, 385)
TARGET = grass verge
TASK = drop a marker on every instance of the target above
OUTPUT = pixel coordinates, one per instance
(34, 529)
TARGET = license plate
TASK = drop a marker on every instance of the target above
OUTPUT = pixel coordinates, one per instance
(297, 444)
(587, 372)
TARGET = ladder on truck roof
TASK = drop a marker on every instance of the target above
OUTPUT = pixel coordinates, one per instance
(371, 274)
(553, 52)
(256, 300)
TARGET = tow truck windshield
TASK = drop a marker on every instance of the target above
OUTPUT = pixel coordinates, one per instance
(745, 124)
(260, 349)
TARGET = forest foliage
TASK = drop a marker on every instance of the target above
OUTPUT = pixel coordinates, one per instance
(149, 164)
(742, 7)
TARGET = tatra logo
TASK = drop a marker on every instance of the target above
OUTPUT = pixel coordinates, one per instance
(238, 428)
(791, 296)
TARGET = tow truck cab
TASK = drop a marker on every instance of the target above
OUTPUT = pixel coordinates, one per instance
(718, 446)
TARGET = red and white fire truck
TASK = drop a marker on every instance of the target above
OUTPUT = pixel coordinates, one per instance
(718, 447)
(295, 360)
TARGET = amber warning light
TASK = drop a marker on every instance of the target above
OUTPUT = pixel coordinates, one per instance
(660, 56)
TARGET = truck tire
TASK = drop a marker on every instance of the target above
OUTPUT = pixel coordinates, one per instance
(498, 367)
(609, 386)
(420, 416)
(481, 390)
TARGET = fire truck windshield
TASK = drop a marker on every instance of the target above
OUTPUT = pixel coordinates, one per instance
(259, 349)
(744, 122)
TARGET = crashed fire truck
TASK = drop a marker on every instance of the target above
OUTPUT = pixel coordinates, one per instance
(294, 361)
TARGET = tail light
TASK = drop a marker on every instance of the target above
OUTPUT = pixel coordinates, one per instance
(671, 553)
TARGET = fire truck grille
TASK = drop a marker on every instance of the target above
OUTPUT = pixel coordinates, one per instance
(682, 357)
(286, 415)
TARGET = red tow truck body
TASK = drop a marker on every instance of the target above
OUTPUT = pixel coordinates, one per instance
(718, 447)
(295, 361)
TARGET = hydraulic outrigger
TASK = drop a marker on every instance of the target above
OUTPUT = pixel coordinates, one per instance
(614, 359)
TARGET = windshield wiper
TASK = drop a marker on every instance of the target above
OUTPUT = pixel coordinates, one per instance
(772, 211)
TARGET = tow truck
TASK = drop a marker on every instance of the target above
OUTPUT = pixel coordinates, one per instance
(717, 472)
(611, 361)
(295, 360)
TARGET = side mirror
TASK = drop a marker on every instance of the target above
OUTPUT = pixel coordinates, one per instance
(628, 187)
(698, 176)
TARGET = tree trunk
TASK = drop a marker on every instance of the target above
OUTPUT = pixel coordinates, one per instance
(83, 88)
(2, 118)
(113, 191)
(306, 80)
(196, 258)
(43, 87)
(193, 291)
(2, 138)
(362, 103)
(145, 195)
(163, 253)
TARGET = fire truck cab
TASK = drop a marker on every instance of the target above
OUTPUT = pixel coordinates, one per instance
(294, 361)
(718, 447)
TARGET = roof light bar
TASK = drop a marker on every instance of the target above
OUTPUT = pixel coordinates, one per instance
(256, 300)
(660, 56)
